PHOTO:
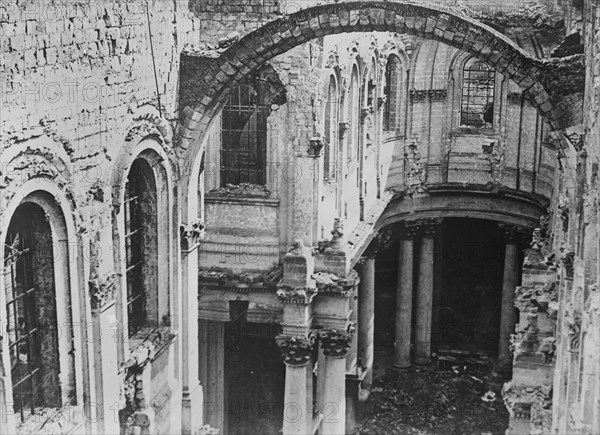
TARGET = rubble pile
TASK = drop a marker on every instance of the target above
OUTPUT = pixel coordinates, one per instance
(463, 399)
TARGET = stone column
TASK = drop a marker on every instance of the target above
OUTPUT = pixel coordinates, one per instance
(335, 344)
(352, 389)
(404, 295)
(211, 345)
(297, 410)
(366, 316)
(427, 228)
(192, 417)
(509, 284)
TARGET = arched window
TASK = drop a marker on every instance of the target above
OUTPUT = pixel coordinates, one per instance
(393, 92)
(31, 312)
(330, 127)
(141, 246)
(477, 104)
(244, 134)
(353, 116)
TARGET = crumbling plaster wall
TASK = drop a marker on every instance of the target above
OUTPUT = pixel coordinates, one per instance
(78, 93)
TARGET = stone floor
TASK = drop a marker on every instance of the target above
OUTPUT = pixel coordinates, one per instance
(429, 400)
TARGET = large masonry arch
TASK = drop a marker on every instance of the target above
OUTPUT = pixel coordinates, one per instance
(208, 80)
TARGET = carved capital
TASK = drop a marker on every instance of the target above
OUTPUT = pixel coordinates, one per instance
(335, 343)
(512, 233)
(295, 351)
(190, 234)
(408, 230)
(295, 294)
(428, 227)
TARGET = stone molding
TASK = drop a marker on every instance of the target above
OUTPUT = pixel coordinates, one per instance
(295, 351)
(335, 343)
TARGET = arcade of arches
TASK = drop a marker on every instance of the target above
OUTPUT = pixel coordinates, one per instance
(230, 217)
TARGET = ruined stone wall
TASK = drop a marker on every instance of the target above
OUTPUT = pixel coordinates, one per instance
(560, 308)
(78, 94)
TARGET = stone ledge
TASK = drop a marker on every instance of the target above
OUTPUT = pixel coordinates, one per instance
(240, 200)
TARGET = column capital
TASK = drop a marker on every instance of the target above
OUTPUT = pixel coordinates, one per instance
(296, 351)
(407, 230)
(335, 343)
(428, 227)
(513, 233)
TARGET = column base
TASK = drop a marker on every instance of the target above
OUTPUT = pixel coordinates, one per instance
(421, 361)
(402, 368)
(192, 410)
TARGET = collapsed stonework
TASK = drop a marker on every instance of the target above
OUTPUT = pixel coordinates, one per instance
(205, 173)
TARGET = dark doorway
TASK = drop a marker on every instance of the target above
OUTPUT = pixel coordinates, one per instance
(255, 379)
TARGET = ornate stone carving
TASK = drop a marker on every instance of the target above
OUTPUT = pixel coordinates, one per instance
(330, 283)
(567, 260)
(513, 233)
(535, 255)
(102, 290)
(316, 144)
(335, 343)
(573, 321)
(295, 294)
(332, 59)
(295, 351)
(342, 129)
(414, 175)
(428, 227)
(137, 416)
(563, 208)
(190, 234)
(150, 124)
(438, 94)
(381, 102)
(408, 230)
(418, 96)
(365, 112)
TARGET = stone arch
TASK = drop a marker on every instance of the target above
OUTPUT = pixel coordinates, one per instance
(49, 194)
(156, 161)
(212, 80)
